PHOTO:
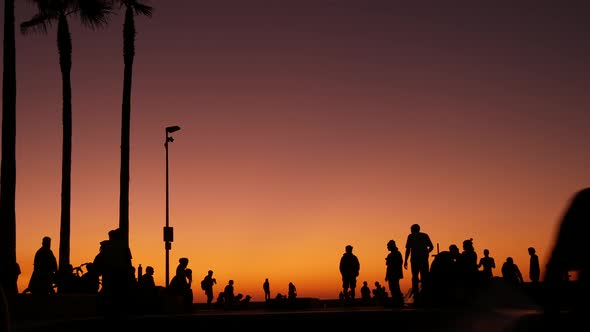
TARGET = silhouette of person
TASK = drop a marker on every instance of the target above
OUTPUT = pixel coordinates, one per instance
(365, 293)
(467, 265)
(65, 280)
(292, 292)
(242, 301)
(534, 267)
(113, 263)
(266, 288)
(568, 254)
(207, 285)
(349, 270)
(180, 280)
(379, 293)
(245, 301)
(511, 273)
(394, 272)
(180, 284)
(487, 264)
(418, 248)
(229, 297)
(44, 269)
(443, 277)
(220, 301)
(147, 290)
(90, 281)
(146, 280)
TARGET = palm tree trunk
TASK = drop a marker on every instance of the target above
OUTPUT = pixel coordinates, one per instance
(8, 263)
(128, 55)
(64, 45)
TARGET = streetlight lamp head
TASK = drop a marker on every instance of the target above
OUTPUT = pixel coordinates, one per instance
(172, 129)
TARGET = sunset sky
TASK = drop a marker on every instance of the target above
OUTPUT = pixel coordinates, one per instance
(308, 125)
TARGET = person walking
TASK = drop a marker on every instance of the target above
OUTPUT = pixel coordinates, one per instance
(207, 285)
(349, 270)
(418, 248)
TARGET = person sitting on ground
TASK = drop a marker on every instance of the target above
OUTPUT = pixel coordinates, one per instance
(511, 273)
(379, 293)
(365, 293)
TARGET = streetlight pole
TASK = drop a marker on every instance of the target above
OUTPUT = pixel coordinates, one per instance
(168, 231)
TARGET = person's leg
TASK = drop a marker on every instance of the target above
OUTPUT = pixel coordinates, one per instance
(397, 292)
(353, 289)
(415, 268)
(424, 273)
(345, 288)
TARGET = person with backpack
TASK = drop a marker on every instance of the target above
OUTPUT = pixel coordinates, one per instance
(207, 285)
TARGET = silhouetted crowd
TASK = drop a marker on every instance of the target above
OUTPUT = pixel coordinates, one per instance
(454, 277)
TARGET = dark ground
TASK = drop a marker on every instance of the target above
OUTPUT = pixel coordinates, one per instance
(342, 319)
(498, 309)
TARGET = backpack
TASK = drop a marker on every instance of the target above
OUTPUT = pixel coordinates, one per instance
(203, 284)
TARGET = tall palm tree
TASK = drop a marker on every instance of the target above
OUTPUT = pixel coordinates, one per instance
(92, 14)
(132, 8)
(8, 167)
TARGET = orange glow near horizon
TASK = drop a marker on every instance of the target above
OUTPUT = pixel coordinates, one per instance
(306, 128)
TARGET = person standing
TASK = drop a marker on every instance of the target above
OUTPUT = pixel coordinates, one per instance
(394, 272)
(534, 267)
(44, 269)
(349, 270)
(487, 263)
(418, 248)
(266, 288)
(207, 285)
(292, 292)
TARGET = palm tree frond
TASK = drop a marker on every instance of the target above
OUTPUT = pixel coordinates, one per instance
(141, 9)
(51, 7)
(39, 23)
(94, 13)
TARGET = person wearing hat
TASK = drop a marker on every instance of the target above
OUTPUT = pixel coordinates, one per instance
(349, 269)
